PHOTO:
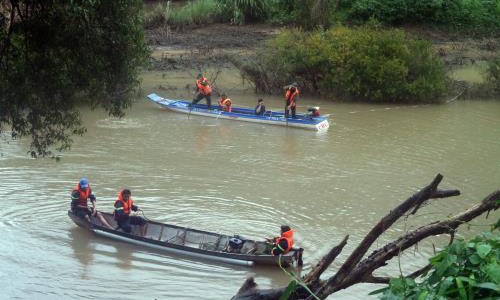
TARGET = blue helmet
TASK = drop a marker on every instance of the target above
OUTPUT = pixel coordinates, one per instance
(84, 182)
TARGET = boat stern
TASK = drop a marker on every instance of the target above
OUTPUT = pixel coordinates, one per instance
(323, 125)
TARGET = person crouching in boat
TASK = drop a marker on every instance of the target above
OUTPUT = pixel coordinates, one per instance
(79, 203)
(284, 243)
(260, 109)
(203, 90)
(124, 205)
(225, 103)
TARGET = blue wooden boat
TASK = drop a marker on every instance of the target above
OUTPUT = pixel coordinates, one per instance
(242, 114)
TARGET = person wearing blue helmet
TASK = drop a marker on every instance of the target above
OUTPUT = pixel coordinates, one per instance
(79, 202)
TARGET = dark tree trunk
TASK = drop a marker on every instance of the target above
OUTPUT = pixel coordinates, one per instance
(356, 269)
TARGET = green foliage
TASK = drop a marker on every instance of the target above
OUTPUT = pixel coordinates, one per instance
(241, 11)
(289, 290)
(307, 14)
(57, 55)
(493, 75)
(459, 14)
(196, 12)
(366, 64)
(192, 13)
(464, 270)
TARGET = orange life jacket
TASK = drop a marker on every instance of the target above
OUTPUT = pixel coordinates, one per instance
(84, 195)
(289, 96)
(288, 236)
(204, 89)
(127, 205)
(226, 104)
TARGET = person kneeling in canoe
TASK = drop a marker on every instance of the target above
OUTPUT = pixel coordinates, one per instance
(79, 203)
(225, 103)
(284, 243)
(124, 205)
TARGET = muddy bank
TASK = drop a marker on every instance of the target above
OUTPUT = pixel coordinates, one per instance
(204, 46)
(457, 49)
(210, 47)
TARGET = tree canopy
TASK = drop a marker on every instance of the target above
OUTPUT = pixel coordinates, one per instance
(58, 55)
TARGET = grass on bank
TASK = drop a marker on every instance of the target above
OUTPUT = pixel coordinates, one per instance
(193, 13)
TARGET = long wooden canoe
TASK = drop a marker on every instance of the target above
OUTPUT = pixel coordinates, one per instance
(242, 114)
(192, 242)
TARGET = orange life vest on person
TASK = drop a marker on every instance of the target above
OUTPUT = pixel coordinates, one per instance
(289, 96)
(84, 195)
(127, 205)
(288, 236)
(204, 89)
(226, 104)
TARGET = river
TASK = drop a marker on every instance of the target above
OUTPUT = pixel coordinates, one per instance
(235, 178)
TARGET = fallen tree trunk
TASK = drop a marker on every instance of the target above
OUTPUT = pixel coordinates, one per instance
(356, 269)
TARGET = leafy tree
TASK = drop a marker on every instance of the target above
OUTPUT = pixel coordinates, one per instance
(464, 270)
(58, 55)
(475, 15)
(366, 63)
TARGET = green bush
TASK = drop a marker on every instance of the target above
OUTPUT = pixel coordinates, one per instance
(459, 14)
(155, 16)
(241, 11)
(493, 76)
(196, 12)
(193, 13)
(367, 64)
(464, 270)
(307, 14)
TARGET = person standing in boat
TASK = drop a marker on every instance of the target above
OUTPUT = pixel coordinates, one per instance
(124, 205)
(225, 103)
(284, 243)
(260, 109)
(79, 202)
(203, 90)
(291, 98)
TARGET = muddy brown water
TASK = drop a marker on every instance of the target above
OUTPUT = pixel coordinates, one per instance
(235, 178)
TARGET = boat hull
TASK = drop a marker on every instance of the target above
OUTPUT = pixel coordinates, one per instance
(242, 114)
(165, 237)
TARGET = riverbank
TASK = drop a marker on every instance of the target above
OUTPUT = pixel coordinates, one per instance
(210, 47)
(210, 44)
(205, 46)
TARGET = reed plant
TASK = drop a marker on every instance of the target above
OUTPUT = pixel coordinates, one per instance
(241, 11)
(192, 13)
(155, 15)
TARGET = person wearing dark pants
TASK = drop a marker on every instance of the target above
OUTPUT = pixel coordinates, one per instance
(284, 243)
(203, 90)
(124, 205)
(79, 203)
(291, 98)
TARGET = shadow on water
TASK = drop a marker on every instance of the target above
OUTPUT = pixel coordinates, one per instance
(80, 241)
